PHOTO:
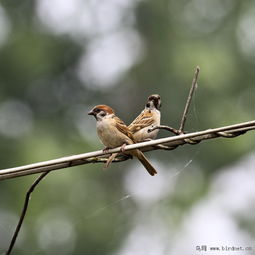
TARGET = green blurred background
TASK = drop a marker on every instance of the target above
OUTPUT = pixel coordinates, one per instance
(58, 58)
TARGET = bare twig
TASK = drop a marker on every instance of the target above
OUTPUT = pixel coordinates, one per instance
(96, 156)
(171, 129)
(186, 109)
(185, 112)
(24, 210)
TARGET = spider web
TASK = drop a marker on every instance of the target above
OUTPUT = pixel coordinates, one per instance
(103, 208)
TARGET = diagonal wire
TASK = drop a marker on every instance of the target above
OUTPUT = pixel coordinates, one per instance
(96, 156)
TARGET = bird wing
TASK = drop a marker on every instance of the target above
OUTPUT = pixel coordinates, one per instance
(122, 127)
(143, 120)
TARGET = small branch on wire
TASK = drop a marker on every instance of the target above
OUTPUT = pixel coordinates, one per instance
(184, 115)
(186, 109)
(170, 129)
(185, 112)
(24, 211)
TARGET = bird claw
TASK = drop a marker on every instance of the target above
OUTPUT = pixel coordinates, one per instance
(106, 150)
(122, 148)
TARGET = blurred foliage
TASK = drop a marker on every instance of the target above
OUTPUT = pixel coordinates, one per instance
(80, 210)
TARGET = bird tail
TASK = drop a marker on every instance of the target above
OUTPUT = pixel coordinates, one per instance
(141, 157)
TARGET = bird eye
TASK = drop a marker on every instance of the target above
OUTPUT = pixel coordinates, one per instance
(147, 105)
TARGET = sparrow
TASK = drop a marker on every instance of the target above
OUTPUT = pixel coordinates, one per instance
(113, 132)
(147, 119)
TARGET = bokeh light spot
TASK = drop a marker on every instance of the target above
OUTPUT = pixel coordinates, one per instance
(16, 118)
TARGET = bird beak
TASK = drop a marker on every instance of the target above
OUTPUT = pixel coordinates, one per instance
(91, 112)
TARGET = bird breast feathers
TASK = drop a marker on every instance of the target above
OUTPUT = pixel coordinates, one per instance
(113, 132)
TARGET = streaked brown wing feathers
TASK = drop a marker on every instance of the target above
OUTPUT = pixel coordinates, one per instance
(143, 120)
(122, 127)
